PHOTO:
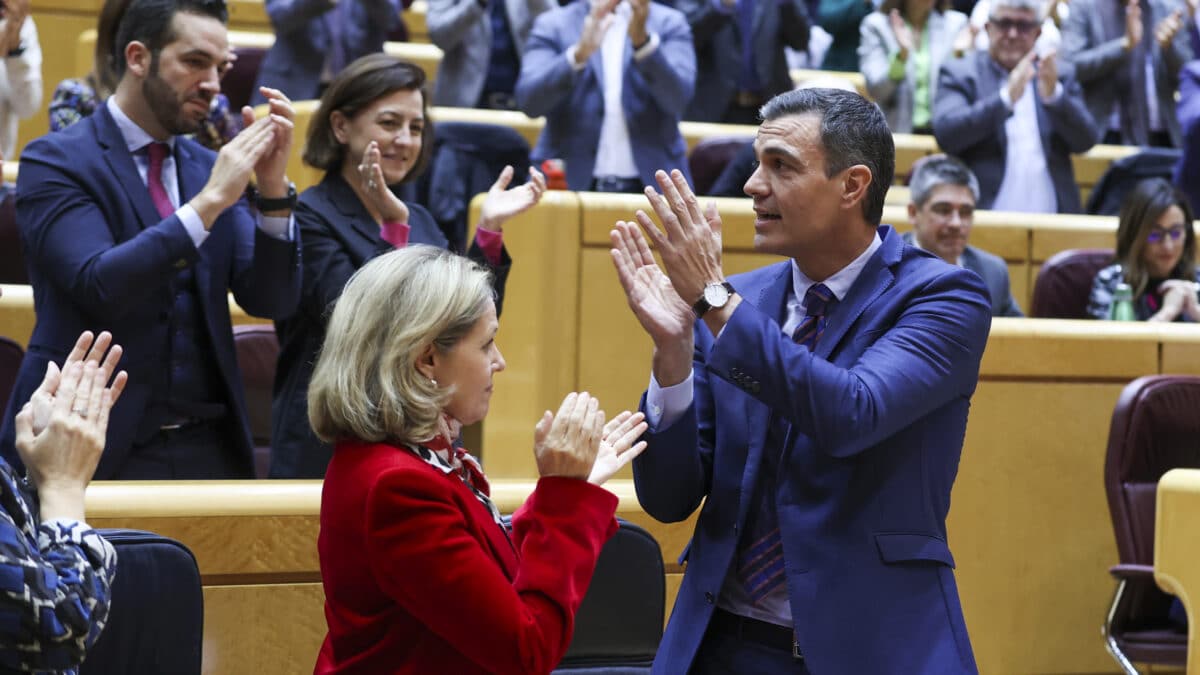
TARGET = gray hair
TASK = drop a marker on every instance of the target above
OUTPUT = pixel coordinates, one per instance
(934, 170)
(366, 385)
(853, 131)
(1034, 6)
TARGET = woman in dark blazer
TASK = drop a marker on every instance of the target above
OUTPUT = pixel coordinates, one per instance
(420, 573)
(371, 132)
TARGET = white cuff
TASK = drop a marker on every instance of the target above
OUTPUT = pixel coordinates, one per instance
(280, 227)
(648, 48)
(665, 405)
(192, 223)
(1005, 98)
(570, 54)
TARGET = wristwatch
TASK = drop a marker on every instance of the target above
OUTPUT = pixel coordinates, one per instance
(716, 295)
(277, 204)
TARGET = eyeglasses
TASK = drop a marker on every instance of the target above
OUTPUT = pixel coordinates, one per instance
(1157, 235)
(1020, 25)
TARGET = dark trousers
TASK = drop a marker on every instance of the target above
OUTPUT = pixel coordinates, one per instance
(195, 452)
(724, 652)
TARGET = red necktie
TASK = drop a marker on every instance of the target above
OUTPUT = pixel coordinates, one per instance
(760, 565)
(158, 192)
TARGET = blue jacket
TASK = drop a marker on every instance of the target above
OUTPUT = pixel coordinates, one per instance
(876, 421)
(101, 258)
(654, 93)
(303, 40)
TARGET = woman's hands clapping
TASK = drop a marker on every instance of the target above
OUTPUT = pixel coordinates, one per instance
(374, 188)
(576, 443)
(502, 203)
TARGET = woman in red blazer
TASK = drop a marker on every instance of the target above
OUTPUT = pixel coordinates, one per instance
(420, 574)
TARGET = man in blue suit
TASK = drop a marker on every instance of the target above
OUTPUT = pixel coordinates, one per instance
(821, 427)
(315, 39)
(612, 78)
(130, 227)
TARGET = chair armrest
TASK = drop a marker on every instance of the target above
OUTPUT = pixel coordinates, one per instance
(1128, 571)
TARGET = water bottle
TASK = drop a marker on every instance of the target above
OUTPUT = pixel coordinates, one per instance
(1122, 305)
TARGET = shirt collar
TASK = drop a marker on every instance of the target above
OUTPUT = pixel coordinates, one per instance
(135, 137)
(841, 281)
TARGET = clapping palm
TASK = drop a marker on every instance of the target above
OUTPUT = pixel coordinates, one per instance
(654, 301)
(502, 203)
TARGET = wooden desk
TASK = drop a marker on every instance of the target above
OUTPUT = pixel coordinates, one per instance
(1177, 549)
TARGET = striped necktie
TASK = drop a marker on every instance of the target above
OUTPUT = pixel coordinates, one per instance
(760, 565)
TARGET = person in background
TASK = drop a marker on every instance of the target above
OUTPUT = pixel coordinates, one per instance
(421, 574)
(55, 570)
(131, 227)
(371, 133)
(21, 77)
(1156, 256)
(612, 78)
(1127, 56)
(315, 39)
(941, 210)
(901, 49)
(75, 99)
(841, 19)
(1014, 116)
(482, 42)
(740, 57)
(1187, 169)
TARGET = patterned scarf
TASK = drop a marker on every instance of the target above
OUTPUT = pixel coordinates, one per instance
(441, 454)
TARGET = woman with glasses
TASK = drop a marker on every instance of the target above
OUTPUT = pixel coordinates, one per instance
(1156, 256)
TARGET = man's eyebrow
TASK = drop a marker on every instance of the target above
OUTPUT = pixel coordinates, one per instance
(777, 149)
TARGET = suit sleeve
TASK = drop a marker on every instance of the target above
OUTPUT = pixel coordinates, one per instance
(1072, 120)
(666, 77)
(704, 18)
(265, 276)
(1092, 61)
(963, 117)
(451, 583)
(674, 474)
(290, 15)
(546, 79)
(875, 58)
(449, 20)
(927, 358)
(327, 265)
(1187, 171)
(67, 236)
(499, 272)
(795, 25)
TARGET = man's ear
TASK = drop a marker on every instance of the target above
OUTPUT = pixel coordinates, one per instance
(912, 213)
(855, 183)
(338, 123)
(427, 362)
(138, 59)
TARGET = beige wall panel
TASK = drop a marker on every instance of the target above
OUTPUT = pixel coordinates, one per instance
(263, 629)
(1029, 526)
(1038, 348)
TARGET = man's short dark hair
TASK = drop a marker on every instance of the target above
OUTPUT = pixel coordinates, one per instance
(853, 131)
(150, 23)
(934, 170)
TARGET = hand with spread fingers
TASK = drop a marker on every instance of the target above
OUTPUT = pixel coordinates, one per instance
(87, 348)
(503, 202)
(61, 458)
(618, 446)
(690, 242)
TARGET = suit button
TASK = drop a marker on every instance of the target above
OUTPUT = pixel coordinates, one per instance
(708, 597)
(180, 264)
(754, 388)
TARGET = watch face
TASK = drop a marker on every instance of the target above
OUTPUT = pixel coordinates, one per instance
(716, 295)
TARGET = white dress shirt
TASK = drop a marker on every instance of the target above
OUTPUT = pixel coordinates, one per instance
(1027, 185)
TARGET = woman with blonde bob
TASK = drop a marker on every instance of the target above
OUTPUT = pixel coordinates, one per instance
(420, 573)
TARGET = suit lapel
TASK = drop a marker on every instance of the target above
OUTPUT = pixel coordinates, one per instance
(121, 163)
(349, 209)
(874, 279)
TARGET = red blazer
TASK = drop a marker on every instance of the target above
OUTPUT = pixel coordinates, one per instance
(419, 578)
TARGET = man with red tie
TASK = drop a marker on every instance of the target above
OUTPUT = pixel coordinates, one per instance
(130, 227)
(816, 407)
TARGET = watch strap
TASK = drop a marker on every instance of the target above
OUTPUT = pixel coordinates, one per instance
(287, 202)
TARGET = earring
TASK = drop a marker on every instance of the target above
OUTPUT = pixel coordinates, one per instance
(433, 382)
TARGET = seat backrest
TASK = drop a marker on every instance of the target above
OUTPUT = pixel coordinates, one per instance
(619, 624)
(156, 615)
(1122, 175)
(11, 354)
(257, 350)
(709, 158)
(1065, 282)
(1155, 427)
(238, 83)
(12, 256)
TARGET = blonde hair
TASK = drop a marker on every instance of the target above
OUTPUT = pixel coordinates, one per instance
(366, 385)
